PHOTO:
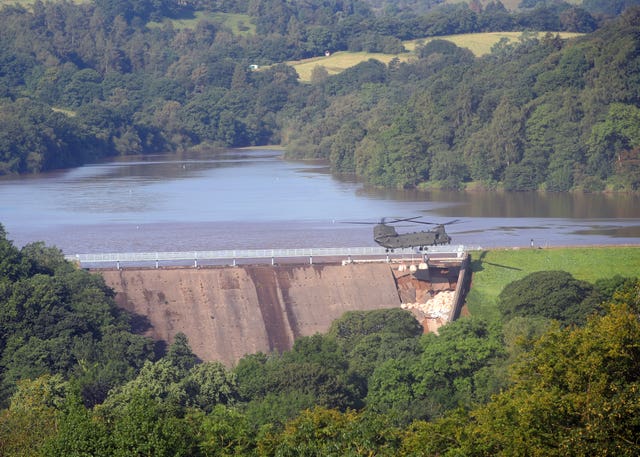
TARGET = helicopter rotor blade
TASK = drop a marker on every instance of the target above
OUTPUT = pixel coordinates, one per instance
(424, 222)
(384, 220)
(400, 219)
(435, 223)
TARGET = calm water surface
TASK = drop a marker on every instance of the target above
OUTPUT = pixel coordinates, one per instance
(254, 199)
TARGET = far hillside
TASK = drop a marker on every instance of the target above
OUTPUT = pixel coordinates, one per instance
(83, 81)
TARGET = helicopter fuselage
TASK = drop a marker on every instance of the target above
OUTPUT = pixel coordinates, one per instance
(389, 238)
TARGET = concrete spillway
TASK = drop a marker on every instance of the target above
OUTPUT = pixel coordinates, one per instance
(228, 312)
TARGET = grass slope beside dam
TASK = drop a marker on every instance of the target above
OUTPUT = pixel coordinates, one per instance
(228, 312)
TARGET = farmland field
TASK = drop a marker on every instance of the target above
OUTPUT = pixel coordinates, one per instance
(340, 61)
(478, 43)
(240, 24)
(481, 43)
(494, 269)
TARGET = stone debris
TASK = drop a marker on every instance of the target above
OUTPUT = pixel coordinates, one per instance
(434, 312)
(436, 307)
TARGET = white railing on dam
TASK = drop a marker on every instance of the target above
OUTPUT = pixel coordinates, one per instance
(194, 257)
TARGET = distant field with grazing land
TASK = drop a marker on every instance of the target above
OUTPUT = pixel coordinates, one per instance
(240, 24)
(478, 43)
(65, 111)
(340, 61)
(16, 2)
(481, 43)
(494, 269)
(508, 4)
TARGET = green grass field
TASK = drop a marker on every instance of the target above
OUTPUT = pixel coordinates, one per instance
(494, 269)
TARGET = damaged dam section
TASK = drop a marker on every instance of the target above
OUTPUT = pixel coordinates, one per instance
(228, 312)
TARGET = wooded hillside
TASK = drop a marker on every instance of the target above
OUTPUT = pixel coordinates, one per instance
(542, 114)
(82, 81)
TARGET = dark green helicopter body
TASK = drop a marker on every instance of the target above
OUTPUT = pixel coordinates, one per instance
(386, 235)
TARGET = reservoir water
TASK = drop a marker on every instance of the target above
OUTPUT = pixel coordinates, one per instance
(252, 199)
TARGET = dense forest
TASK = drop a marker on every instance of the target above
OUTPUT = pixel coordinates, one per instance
(88, 80)
(557, 374)
(539, 114)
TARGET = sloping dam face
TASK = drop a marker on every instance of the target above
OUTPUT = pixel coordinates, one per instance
(228, 312)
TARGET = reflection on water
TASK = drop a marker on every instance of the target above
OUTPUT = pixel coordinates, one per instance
(615, 232)
(519, 204)
(253, 199)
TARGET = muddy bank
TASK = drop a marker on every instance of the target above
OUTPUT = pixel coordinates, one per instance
(228, 312)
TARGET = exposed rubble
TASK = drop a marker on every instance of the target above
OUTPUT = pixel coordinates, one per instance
(428, 291)
(435, 312)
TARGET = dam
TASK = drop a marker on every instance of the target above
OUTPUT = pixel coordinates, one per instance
(227, 312)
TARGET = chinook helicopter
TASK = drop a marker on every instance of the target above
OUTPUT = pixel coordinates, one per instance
(386, 235)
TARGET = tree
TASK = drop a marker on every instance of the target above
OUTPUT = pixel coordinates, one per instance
(313, 373)
(58, 319)
(453, 369)
(319, 74)
(551, 294)
(158, 382)
(210, 384)
(373, 350)
(501, 143)
(32, 416)
(78, 432)
(180, 354)
(370, 338)
(225, 432)
(11, 265)
(575, 393)
(619, 132)
(446, 373)
(330, 433)
(391, 391)
(145, 427)
(83, 88)
(45, 259)
(356, 325)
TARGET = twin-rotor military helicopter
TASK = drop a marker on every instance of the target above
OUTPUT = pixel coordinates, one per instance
(386, 235)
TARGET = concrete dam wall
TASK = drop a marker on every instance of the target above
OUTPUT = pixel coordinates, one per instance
(227, 312)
